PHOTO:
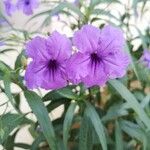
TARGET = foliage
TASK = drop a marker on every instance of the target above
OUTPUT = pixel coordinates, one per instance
(113, 117)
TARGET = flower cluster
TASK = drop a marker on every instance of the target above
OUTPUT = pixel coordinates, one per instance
(26, 6)
(99, 57)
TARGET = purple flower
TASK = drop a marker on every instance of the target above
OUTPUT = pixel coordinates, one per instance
(27, 6)
(146, 58)
(100, 56)
(47, 68)
(9, 7)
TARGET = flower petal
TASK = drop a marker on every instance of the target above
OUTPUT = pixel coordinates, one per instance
(55, 81)
(38, 75)
(59, 46)
(111, 40)
(34, 75)
(116, 64)
(77, 67)
(86, 39)
(96, 76)
(36, 48)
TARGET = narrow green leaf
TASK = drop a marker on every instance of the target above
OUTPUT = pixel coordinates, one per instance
(59, 8)
(22, 145)
(97, 124)
(83, 134)
(9, 122)
(61, 93)
(18, 63)
(132, 101)
(67, 122)
(118, 137)
(7, 82)
(37, 142)
(134, 131)
(132, 61)
(41, 113)
(115, 111)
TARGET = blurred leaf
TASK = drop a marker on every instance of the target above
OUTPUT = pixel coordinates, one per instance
(91, 113)
(60, 7)
(7, 83)
(41, 113)
(9, 142)
(7, 50)
(132, 61)
(134, 131)
(67, 122)
(4, 68)
(61, 93)
(83, 134)
(96, 2)
(118, 137)
(131, 100)
(115, 111)
(9, 122)
(101, 12)
(37, 141)
(18, 63)
(22, 145)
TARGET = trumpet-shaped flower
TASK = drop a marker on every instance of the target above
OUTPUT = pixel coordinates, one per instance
(100, 56)
(27, 6)
(47, 68)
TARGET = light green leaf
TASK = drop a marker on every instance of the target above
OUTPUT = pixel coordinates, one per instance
(134, 131)
(67, 122)
(9, 122)
(131, 100)
(83, 134)
(41, 113)
(97, 124)
(118, 137)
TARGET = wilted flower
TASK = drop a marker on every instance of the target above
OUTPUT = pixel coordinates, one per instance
(100, 56)
(146, 58)
(27, 6)
(9, 7)
(47, 68)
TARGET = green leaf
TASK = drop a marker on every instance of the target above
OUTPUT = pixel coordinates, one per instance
(41, 113)
(134, 131)
(91, 113)
(4, 68)
(37, 142)
(9, 122)
(132, 61)
(7, 82)
(115, 111)
(18, 63)
(118, 137)
(87, 135)
(131, 100)
(67, 122)
(61, 93)
(59, 8)
(83, 134)
(22, 145)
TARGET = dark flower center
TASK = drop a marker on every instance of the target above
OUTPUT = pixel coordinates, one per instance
(53, 66)
(27, 2)
(95, 59)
